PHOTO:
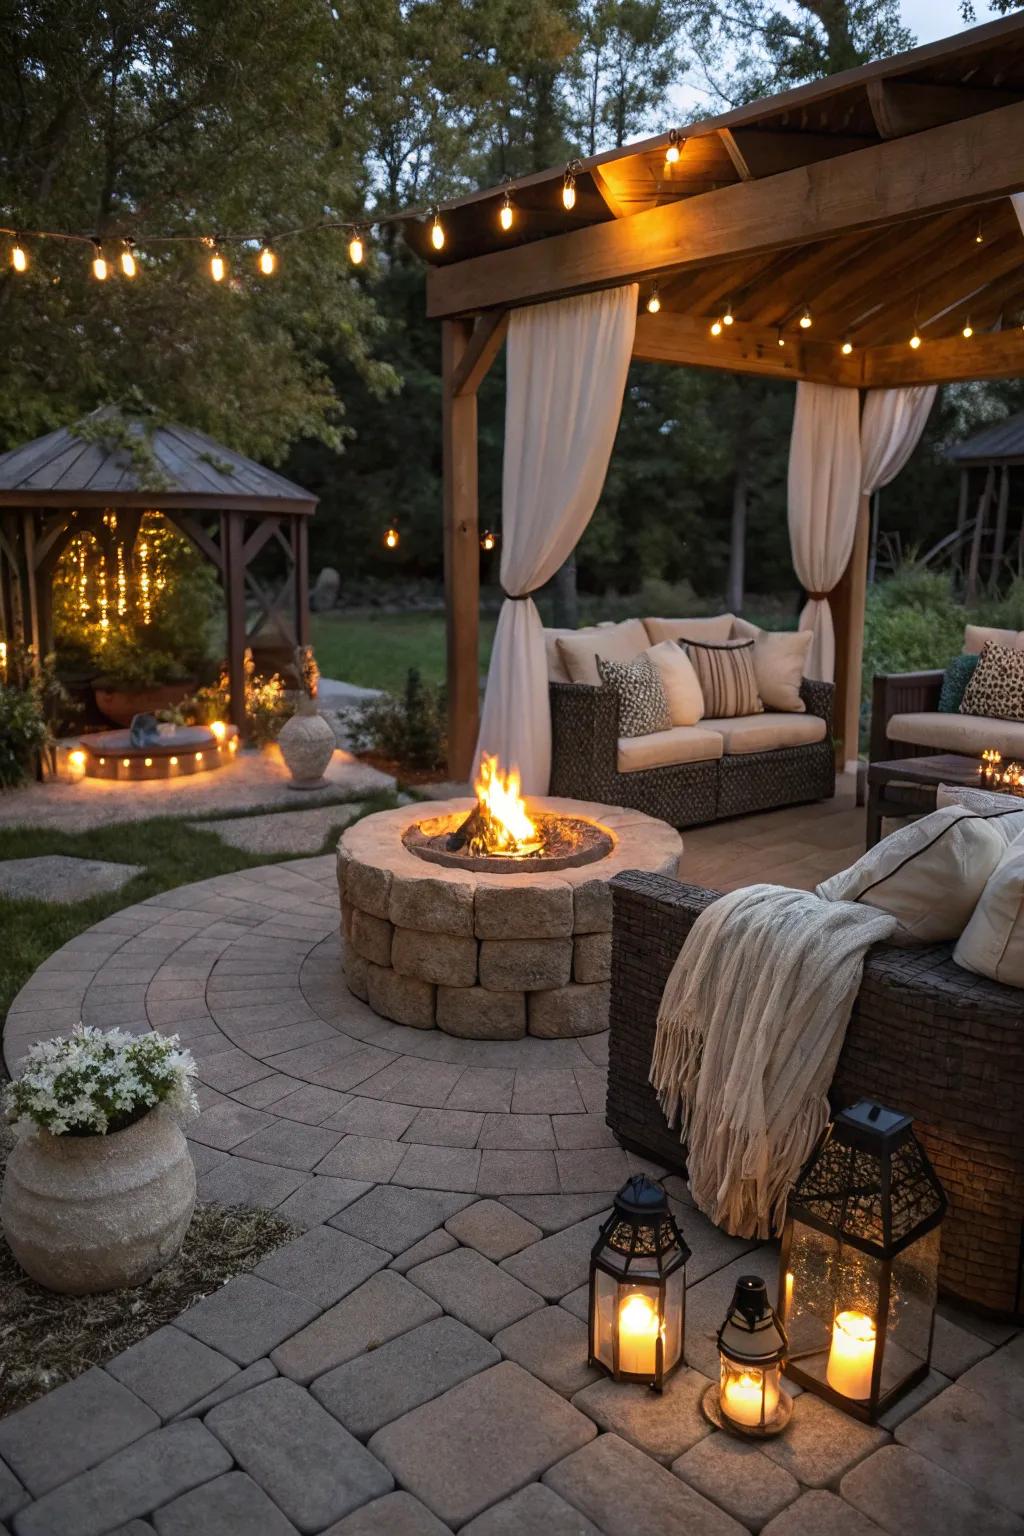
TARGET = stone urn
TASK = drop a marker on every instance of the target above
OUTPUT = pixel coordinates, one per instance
(307, 745)
(96, 1213)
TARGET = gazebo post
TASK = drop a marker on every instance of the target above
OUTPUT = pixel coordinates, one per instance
(461, 551)
(849, 607)
(300, 556)
(234, 596)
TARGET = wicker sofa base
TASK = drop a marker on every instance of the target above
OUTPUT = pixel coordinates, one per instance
(925, 1036)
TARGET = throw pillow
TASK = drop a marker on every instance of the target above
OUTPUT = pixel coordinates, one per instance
(997, 687)
(992, 944)
(780, 656)
(955, 679)
(642, 706)
(615, 642)
(929, 874)
(727, 679)
(1003, 812)
(679, 682)
(713, 631)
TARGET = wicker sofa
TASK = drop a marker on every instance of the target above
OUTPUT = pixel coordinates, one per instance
(585, 763)
(926, 1037)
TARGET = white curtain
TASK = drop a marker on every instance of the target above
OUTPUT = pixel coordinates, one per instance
(1017, 199)
(824, 494)
(890, 429)
(566, 371)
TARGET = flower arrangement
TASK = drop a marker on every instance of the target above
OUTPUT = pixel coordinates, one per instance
(96, 1082)
(308, 670)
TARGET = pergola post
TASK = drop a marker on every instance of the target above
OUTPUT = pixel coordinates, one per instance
(232, 537)
(849, 605)
(461, 551)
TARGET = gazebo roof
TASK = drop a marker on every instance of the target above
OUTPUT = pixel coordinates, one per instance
(1002, 443)
(180, 468)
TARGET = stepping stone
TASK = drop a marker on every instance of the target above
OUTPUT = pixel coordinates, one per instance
(171, 1370)
(59, 877)
(309, 1465)
(246, 1318)
(475, 1291)
(533, 1511)
(492, 1229)
(226, 1507)
(287, 832)
(381, 1309)
(396, 1514)
(664, 1424)
(902, 1491)
(735, 1476)
(386, 1383)
(623, 1491)
(44, 1444)
(480, 1442)
(551, 1345)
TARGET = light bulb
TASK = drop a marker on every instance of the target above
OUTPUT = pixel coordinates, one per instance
(968, 329)
(437, 233)
(507, 215)
(654, 302)
(99, 265)
(19, 261)
(915, 341)
(673, 150)
(488, 540)
(391, 538)
(728, 318)
(716, 327)
(355, 249)
(267, 260)
(780, 340)
(805, 320)
(129, 266)
(217, 267)
(569, 190)
(846, 348)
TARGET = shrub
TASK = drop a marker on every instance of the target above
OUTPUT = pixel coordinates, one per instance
(410, 731)
(95, 1082)
(128, 664)
(266, 704)
(30, 699)
(912, 622)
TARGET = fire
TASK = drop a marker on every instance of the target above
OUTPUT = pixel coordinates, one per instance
(503, 825)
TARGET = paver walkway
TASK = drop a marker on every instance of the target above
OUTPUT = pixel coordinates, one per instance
(415, 1361)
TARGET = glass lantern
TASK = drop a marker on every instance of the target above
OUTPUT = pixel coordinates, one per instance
(751, 1351)
(859, 1264)
(638, 1287)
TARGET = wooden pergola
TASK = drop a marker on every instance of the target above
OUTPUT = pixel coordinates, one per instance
(229, 506)
(877, 200)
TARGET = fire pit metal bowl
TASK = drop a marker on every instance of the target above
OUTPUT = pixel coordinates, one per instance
(563, 842)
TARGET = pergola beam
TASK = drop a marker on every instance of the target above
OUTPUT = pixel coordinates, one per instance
(668, 338)
(945, 167)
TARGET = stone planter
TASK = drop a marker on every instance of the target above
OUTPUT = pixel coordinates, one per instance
(307, 745)
(95, 1213)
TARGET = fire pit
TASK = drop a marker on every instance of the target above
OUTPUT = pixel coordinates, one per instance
(491, 931)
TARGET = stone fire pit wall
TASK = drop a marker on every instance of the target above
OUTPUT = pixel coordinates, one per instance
(487, 956)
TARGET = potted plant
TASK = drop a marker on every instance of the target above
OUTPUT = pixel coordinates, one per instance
(100, 1185)
(137, 680)
(306, 740)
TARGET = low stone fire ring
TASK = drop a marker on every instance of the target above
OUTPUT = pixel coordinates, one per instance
(485, 947)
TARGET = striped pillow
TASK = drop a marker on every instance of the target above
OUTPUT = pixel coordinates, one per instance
(727, 678)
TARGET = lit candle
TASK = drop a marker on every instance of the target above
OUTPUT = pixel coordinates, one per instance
(852, 1355)
(789, 1295)
(219, 729)
(638, 1336)
(742, 1397)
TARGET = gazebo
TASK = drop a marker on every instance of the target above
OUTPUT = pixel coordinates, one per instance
(991, 503)
(229, 507)
(857, 233)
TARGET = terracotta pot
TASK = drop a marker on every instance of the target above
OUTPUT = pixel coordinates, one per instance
(120, 704)
(95, 1213)
(307, 745)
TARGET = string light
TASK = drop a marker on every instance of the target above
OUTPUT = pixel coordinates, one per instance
(915, 341)
(437, 232)
(507, 214)
(654, 302)
(122, 584)
(805, 320)
(716, 327)
(979, 237)
(99, 263)
(145, 601)
(267, 259)
(488, 540)
(780, 340)
(217, 266)
(569, 186)
(19, 260)
(968, 329)
(101, 600)
(674, 149)
(129, 266)
(391, 537)
(355, 249)
(728, 318)
(847, 347)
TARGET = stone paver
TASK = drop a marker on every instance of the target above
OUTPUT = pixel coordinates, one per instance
(43, 1444)
(734, 1474)
(299, 1454)
(557, 1264)
(287, 832)
(62, 878)
(290, 1144)
(394, 1218)
(170, 1370)
(396, 1514)
(250, 1376)
(246, 1318)
(911, 1495)
(492, 1229)
(622, 1491)
(378, 1387)
(323, 1264)
(429, 1247)
(552, 1345)
(664, 1424)
(821, 1442)
(480, 1441)
(229, 1506)
(534, 1511)
(385, 1306)
(975, 1439)
(319, 1199)
(818, 1513)
(475, 1291)
(12, 1494)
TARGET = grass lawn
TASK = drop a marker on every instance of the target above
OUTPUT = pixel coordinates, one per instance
(376, 650)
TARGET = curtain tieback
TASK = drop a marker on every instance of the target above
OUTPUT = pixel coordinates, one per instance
(818, 597)
(516, 597)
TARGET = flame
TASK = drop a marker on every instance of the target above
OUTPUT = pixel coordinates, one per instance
(509, 828)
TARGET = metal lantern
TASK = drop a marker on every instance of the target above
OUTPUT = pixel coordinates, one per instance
(638, 1287)
(859, 1263)
(749, 1399)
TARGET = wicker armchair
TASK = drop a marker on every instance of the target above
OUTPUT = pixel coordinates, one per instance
(925, 1036)
(584, 764)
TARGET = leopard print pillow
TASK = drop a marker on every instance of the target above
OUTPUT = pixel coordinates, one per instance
(643, 708)
(996, 687)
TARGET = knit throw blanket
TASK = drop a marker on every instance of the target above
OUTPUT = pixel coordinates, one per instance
(751, 1024)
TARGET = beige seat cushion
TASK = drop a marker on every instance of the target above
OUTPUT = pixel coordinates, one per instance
(679, 682)
(992, 944)
(975, 636)
(763, 733)
(682, 744)
(929, 875)
(779, 659)
(714, 631)
(614, 642)
(968, 734)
